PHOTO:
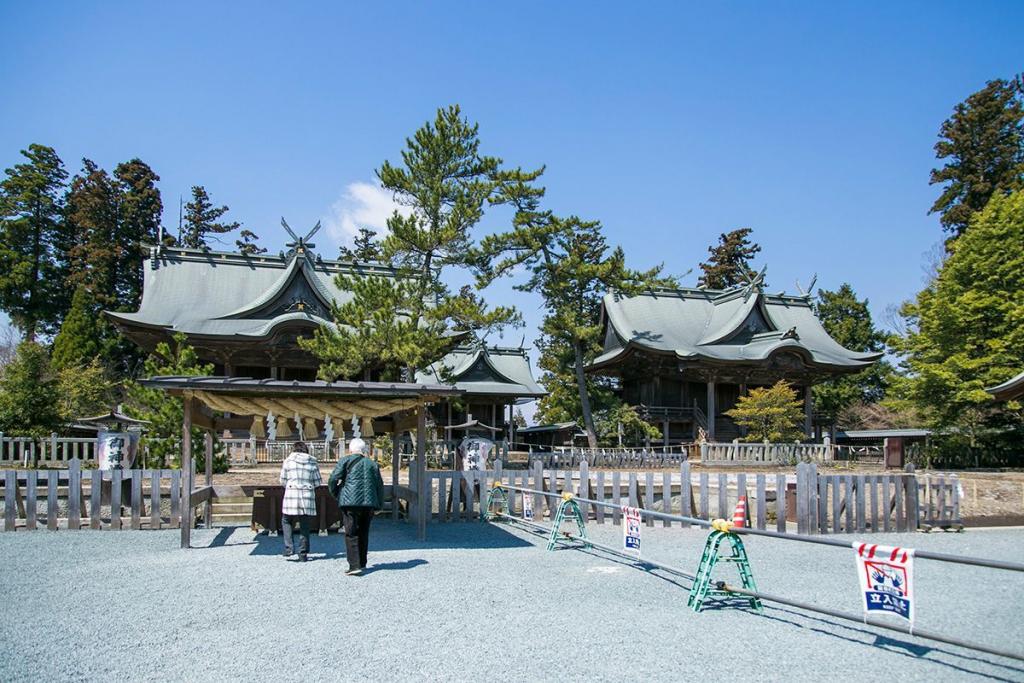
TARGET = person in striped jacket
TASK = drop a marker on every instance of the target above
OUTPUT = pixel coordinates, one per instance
(300, 475)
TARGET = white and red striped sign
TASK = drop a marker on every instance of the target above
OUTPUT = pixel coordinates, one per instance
(886, 577)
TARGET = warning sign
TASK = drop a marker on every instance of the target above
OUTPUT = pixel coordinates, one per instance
(886, 579)
(527, 506)
(631, 530)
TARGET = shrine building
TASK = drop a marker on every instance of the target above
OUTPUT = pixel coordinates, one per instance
(245, 314)
(684, 356)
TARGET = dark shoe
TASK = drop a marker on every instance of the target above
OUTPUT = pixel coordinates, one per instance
(287, 552)
(302, 557)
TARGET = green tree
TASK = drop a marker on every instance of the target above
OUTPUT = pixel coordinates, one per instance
(401, 324)
(247, 243)
(983, 143)
(84, 390)
(140, 211)
(571, 267)
(847, 319)
(770, 413)
(164, 412)
(519, 419)
(29, 393)
(202, 219)
(365, 248)
(83, 334)
(729, 260)
(964, 330)
(31, 226)
(621, 425)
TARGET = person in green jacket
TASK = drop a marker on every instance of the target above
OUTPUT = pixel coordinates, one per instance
(357, 485)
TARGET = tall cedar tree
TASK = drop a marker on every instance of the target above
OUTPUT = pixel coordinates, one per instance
(365, 248)
(848, 320)
(729, 260)
(983, 142)
(964, 329)
(202, 218)
(571, 267)
(769, 413)
(83, 334)
(110, 219)
(32, 242)
(399, 325)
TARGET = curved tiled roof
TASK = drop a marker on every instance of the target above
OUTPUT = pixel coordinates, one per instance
(202, 292)
(487, 370)
(731, 326)
(1010, 389)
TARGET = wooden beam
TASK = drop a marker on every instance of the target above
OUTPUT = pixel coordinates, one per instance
(186, 472)
(208, 461)
(421, 473)
(396, 463)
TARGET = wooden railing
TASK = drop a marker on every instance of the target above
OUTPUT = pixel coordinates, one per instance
(49, 451)
(768, 453)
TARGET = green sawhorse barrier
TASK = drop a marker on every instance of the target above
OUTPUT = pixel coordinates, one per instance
(702, 589)
(568, 511)
(496, 495)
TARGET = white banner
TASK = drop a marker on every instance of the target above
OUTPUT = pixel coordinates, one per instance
(886, 579)
(631, 530)
(116, 449)
(528, 506)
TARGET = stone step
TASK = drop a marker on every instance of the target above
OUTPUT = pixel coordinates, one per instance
(233, 518)
(232, 507)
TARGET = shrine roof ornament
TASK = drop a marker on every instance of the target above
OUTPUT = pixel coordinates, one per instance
(299, 245)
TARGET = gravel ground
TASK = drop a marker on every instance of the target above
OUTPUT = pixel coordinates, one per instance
(474, 602)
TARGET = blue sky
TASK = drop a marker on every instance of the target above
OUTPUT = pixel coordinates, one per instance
(812, 123)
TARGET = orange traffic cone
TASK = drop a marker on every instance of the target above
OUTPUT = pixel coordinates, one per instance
(739, 515)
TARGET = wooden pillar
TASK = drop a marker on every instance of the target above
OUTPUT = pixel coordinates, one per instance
(208, 461)
(808, 412)
(664, 432)
(186, 472)
(711, 409)
(396, 464)
(422, 483)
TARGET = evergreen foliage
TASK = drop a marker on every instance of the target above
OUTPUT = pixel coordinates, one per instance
(32, 241)
(964, 329)
(202, 219)
(366, 248)
(571, 267)
(85, 390)
(848, 320)
(770, 413)
(83, 335)
(162, 411)
(247, 243)
(519, 419)
(29, 393)
(729, 260)
(397, 326)
(623, 420)
(983, 142)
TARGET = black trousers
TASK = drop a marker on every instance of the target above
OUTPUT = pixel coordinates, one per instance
(287, 522)
(356, 523)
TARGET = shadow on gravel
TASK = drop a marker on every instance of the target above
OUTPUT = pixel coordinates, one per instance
(893, 645)
(393, 566)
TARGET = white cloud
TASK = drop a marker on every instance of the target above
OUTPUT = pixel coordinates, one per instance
(361, 205)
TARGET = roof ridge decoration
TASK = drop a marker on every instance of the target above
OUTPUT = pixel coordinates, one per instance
(307, 297)
(299, 245)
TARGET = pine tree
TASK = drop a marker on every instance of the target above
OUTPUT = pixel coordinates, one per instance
(365, 248)
(399, 325)
(202, 219)
(29, 393)
(93, 211)
(31, 227)
(729, 263)
(246, 243)
(571, 266)
(519, 419)
(769, 413)
(848, 320)
(140, 210)
(983, 142)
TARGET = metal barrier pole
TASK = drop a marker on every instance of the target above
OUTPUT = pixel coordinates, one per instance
(920, 554)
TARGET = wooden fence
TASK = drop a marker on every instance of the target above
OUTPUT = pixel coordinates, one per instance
(49, 451)
(91, 499)
(813, 503)
(774, 453)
